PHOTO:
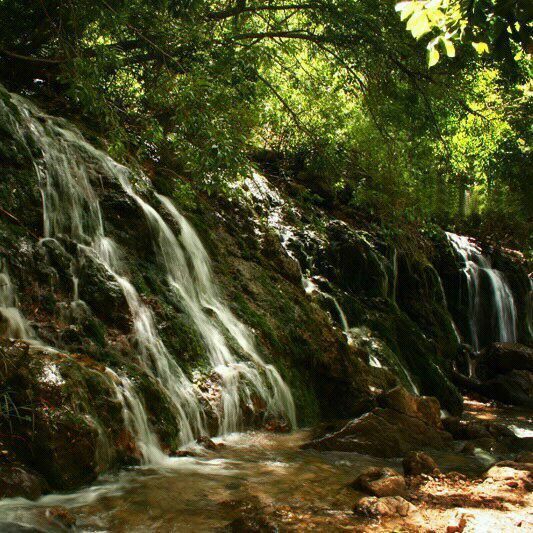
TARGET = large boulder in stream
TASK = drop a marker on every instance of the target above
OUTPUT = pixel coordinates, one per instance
(401, 423)
(500, 357)
(18, 481)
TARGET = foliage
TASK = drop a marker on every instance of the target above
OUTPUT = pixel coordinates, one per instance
(505, 25)
(338, 91)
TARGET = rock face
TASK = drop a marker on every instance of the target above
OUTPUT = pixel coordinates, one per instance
(400, 424)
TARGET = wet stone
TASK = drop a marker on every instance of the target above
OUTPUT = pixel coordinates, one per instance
(374, 507)
(416, 463)
(380, 482)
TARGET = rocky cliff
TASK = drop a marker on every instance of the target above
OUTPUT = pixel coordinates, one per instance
(122, 347)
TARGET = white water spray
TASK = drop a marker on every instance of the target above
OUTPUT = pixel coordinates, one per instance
(195, 288)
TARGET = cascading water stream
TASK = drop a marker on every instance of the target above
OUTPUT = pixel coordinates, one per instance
(65, 166)
(189, 275)
(72, 211)
(13, 324)
(501, 303)
(278, 208)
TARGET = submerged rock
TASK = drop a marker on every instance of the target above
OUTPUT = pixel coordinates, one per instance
(60, 517)
(209, 444)
(416, 463)
(402, 423)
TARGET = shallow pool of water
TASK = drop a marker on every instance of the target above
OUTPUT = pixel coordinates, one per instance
(254, 473)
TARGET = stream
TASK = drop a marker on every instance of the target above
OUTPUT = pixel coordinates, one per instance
(254, 473)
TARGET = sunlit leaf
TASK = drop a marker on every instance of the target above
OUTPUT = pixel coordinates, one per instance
(418, 25)
(481, 48)
(450, 48)
(434, 57)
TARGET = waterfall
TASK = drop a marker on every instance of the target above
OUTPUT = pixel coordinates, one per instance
(195, 288)
(278, 209)
(136, 420)
(13, 324)
(65, 166)
(71, 211)
(501, 305)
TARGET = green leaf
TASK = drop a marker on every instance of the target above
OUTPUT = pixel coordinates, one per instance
(481, 48)
(450, 48)
(418, 25)
(433, 57)
(406, 9)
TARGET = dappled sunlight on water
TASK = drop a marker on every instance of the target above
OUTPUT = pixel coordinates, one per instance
(255, 472)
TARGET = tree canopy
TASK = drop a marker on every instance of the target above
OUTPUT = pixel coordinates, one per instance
(415, 109)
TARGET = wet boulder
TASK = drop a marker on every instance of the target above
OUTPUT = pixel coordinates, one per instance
(61, 518)
(421, 296)
(401, 423)
(476, 429)
(353, 262)
(514, 387)
(380, 482)
(66, 418)
(101, 291)
(16, 480)
(500, 358)
(504, 372)
(484, 434)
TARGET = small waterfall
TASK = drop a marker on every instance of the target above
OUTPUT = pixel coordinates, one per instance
(65, 165)
(72, 212)
(278, 208)
(195, 288)
(136, 421)
(13, 324)
(501, 305)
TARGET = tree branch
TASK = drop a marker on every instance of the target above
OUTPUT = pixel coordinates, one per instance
(31, 59)
(292, 34)
(237, 10)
